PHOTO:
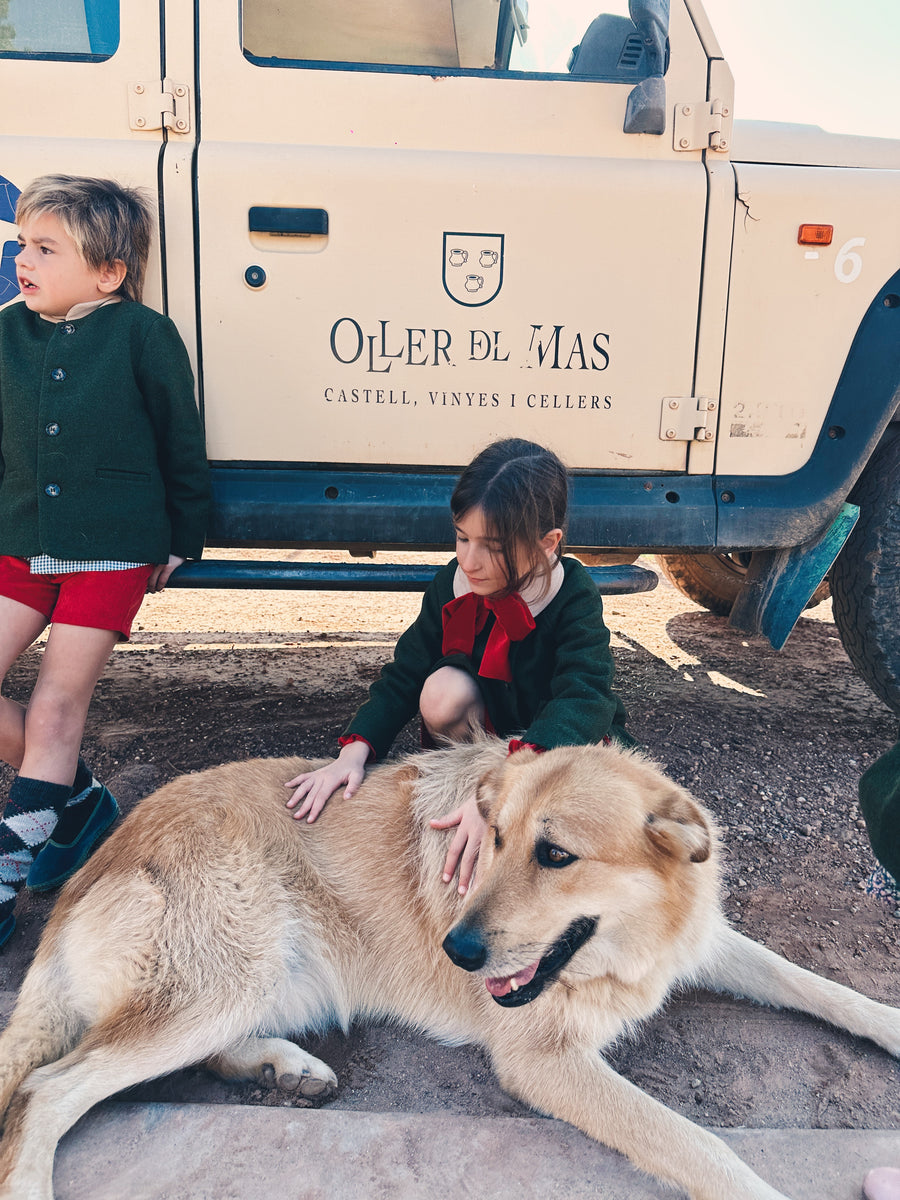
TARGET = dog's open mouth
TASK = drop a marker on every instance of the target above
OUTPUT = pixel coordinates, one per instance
(526, 985)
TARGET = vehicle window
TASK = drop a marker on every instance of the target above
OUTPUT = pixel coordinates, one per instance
(82, 30)
(517, 37)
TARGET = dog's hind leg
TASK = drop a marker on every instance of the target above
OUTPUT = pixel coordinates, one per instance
(275, 1061)
(113, 1055)
(745, 968)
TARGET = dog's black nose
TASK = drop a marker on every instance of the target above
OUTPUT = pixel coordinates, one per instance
(464, 947)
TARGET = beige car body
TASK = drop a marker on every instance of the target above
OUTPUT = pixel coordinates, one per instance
(622, 252)
(388, 252)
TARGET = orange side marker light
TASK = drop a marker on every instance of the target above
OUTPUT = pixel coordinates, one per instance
(815, 235)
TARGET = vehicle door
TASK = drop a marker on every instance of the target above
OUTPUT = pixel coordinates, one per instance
(418, 231)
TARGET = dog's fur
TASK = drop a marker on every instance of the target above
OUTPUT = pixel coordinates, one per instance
(212, 926)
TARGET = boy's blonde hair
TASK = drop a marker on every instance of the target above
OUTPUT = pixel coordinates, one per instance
(105, 220)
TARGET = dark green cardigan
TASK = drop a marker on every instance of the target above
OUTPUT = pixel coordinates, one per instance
(561, 690)
(102, 453)
(879, 800)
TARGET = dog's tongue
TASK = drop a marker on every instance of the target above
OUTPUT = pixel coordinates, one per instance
(502, 986)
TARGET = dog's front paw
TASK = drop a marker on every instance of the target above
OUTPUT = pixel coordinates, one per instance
(884, 1027)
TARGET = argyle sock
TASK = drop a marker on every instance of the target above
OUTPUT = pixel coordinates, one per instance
(81, 803)
(28, 820)
(84, 779)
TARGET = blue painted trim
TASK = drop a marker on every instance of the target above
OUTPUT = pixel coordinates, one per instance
(785, 510)
(9, 282)
(9, 198)
(54, 56)
(373, 577)
(779, 583)
(293, 505)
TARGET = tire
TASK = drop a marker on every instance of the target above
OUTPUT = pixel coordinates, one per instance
(866, 578)
(714, 580)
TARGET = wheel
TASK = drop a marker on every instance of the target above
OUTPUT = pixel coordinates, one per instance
(866, 578)
(714, 580)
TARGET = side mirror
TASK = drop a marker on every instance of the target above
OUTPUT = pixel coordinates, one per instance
(646, 108)
(645, 111)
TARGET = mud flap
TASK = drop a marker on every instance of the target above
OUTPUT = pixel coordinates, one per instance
(780, 582)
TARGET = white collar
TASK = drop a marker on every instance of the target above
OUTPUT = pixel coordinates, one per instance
(535, 597)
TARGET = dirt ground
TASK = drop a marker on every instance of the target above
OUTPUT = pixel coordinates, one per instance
(774, 743)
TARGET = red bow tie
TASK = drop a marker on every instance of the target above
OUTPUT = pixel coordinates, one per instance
(464, 618)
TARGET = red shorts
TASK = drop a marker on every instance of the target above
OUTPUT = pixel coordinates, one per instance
(95, 599)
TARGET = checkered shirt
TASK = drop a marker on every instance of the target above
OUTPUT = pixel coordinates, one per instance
(45, 564)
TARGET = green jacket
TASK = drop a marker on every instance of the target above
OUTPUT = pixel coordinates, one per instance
(102, 453)
(879, 800)
(561, 690)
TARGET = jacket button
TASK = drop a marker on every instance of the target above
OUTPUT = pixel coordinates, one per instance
(52, 489)
(68, 328)
(52, 429)
(58, 374)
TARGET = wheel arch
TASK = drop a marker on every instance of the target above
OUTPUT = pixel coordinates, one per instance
(864, 407)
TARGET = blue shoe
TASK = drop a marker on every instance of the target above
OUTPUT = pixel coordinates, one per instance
(58, 860)
(7, 928)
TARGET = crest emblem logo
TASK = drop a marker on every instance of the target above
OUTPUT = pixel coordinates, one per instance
(473, 267)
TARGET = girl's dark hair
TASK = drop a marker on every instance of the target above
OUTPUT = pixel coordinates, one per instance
(523, 491)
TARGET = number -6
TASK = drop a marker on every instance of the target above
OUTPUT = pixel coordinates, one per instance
(848, 263)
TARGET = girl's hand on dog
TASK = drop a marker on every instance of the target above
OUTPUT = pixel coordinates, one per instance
(466, 843)
(315, 788)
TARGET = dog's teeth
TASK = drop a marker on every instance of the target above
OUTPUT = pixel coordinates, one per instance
(513, 985)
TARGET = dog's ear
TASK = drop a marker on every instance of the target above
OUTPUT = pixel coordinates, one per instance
(489, 784)
(486, 791)
(487, 788)
(677, 827)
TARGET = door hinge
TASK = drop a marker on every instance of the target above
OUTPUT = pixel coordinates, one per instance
(703, 125)
(155, 105)
(687, 419)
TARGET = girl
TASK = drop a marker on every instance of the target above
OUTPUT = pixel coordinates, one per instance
(510, 637)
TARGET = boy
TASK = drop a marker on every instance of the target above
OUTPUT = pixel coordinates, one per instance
(104, 490)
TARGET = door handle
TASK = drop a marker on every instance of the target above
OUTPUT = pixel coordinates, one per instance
(289, 222)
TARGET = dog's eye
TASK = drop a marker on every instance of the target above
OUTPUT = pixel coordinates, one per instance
(549, 855)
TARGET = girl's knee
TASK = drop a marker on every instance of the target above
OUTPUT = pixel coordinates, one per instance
(450, 702)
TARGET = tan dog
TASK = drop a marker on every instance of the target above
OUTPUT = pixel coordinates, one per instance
(211, 914)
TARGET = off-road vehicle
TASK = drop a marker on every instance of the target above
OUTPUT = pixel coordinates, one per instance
(390, 232)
